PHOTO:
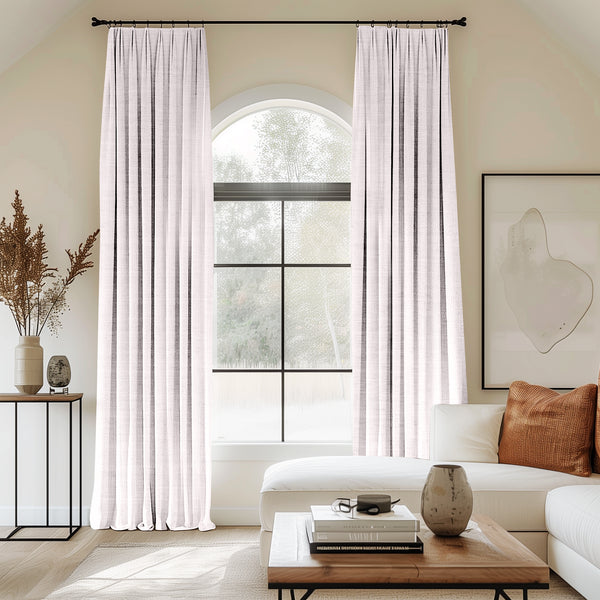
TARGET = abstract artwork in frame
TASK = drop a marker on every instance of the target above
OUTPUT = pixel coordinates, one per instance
(541, 279)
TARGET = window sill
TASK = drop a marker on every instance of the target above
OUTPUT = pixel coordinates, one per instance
(277, 451)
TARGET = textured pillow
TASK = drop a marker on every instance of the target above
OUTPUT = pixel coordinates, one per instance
(596, 445)
(548, 430)
(466, 432)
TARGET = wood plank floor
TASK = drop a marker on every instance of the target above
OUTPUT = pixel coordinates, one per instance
(32, 570)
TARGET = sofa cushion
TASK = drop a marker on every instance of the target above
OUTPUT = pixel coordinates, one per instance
(513, 496)
(466, 432)
(572, 517)
(548, 430)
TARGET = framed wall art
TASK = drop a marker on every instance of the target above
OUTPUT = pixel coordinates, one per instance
(541, 279)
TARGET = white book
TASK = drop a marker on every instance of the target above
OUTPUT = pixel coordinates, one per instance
(398, 519)
(364, 536)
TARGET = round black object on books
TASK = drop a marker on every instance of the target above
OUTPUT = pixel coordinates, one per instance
(374, 503)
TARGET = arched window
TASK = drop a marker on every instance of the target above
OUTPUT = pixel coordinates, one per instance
(282, 274)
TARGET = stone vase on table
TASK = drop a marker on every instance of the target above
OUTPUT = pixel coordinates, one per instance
(29, 364)
(447, 500)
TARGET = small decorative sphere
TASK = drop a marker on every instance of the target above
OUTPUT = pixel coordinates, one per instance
(58, 371)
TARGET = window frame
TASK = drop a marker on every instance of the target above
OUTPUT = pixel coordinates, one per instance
(284, 192)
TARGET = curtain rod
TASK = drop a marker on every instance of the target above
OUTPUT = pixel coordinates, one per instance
(462, 22)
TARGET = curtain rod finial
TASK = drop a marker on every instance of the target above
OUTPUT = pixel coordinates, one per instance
(97, 22)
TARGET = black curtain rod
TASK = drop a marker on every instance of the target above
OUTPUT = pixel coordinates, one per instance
(462, 22)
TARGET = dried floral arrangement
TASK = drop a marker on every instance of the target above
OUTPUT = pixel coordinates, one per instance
(28, 286)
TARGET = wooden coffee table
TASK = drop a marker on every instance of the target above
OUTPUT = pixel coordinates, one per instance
(486, 557)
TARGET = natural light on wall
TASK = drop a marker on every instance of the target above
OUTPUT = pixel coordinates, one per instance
(282, 277)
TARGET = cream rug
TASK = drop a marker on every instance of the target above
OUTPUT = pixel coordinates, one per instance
(223, 570)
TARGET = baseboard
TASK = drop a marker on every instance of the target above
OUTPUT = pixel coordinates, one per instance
(36, 515)
(238, 516)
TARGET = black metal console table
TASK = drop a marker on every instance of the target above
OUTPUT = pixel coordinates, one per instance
(71, 527)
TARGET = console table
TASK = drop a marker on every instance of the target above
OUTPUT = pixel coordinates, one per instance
(71, 527)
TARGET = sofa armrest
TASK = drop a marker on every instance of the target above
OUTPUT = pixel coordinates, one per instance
(466, 432)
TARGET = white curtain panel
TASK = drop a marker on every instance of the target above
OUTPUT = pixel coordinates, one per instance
(407, 324)
(156, 257)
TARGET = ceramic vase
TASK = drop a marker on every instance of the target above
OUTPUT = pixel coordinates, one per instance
(29, 364)
(447, 500)
(58, 371)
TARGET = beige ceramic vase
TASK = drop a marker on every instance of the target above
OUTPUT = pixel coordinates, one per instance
(447, 500)
(29, 364)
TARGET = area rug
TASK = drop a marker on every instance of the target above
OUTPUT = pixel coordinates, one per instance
(222, 571)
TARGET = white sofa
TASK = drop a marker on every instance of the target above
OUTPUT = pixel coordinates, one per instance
(526, 501)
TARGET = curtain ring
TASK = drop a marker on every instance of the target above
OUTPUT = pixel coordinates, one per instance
(372, 23)
(357, 23)
(147, 23)
(188, 22)
(389, 24)
(421, 24)
(134, 24)
(407, 25)
(172, 24)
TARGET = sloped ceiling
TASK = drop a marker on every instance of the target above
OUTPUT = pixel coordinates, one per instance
(575, 22)
(27, 23)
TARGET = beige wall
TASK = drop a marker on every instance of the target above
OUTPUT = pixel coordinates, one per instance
(521, 102)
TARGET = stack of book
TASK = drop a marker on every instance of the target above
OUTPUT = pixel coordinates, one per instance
(332, 531)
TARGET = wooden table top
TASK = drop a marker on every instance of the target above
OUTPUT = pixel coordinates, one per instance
(484, 555)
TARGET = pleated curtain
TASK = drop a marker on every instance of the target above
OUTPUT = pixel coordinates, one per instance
(152, 468)
(407, 323)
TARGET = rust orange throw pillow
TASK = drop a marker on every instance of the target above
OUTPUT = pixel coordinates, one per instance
(548, 430)
(596, 445)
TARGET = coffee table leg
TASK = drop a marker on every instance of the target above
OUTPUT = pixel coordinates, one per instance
(502, 594)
